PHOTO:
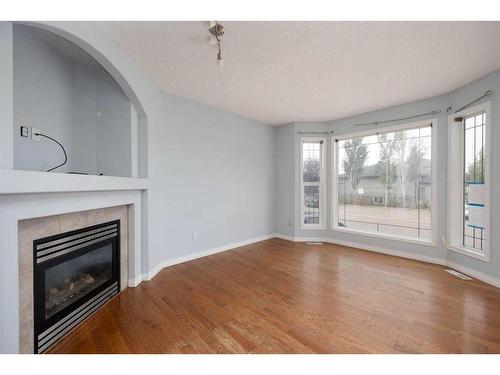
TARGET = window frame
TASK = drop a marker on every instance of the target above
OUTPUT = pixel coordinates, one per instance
(322, 184)
(334, 181)
(455, 191)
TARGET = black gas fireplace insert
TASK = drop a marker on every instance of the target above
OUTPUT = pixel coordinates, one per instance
(75, 273)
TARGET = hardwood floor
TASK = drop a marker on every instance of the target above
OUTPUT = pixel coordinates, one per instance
(282, 297)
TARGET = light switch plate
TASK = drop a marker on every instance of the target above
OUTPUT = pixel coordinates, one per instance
(35, 137)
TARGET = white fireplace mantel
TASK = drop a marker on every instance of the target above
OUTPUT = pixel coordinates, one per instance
(56, 194)
(19, 182)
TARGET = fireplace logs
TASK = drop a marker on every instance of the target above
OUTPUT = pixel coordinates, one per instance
(72, 288)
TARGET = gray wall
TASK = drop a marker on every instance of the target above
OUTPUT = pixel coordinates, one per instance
(42, 99)
(6, 97)
(83, 124)
(284, 207)
(209, 171)
(113, 132)
(289, 181)
(458, 99)
(217, 178)
(68, 96)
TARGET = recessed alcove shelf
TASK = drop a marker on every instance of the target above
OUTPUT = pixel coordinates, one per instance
(65, 93)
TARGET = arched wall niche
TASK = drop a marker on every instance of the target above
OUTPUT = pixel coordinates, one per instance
(100, 58)
(138, 110)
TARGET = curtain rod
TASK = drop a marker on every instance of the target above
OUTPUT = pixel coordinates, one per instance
(487, 93)
(327, 133)
(399, 119)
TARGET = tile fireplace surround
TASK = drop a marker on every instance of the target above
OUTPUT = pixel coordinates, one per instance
(32, 229)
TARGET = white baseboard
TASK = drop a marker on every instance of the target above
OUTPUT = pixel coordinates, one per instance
(475, 274)
(423, 258)
(134, 282)
(401, 254)
(203, 253)
(285, 237)
(356, 245)
(300, 239)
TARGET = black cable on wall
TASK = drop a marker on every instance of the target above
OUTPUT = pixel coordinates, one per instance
(62, 147)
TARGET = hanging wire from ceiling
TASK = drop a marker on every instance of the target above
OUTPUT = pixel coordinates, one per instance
(217, 31)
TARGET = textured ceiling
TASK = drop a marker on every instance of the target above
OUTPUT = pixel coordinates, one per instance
(280, 72)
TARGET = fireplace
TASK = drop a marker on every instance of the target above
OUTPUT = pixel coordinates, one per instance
(75, 273)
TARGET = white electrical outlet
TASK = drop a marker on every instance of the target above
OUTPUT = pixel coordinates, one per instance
(25, 132)
(195, 235)
(34, 136)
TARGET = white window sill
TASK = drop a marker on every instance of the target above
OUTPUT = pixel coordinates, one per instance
(312, 227)
(470, 252)
(386, 236)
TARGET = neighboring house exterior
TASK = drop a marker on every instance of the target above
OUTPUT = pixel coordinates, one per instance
(371, 191)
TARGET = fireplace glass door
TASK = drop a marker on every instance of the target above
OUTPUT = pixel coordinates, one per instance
(67, 282)
(75, 273)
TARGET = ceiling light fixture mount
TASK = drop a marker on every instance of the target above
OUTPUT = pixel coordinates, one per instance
(217, 31)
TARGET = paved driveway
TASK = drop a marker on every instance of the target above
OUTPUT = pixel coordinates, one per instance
(391, 220)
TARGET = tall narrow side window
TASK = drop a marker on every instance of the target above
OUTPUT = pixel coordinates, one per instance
(312, 183)
(468, 183)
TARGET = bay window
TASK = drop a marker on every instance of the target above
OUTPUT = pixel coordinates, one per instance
(383, 182)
